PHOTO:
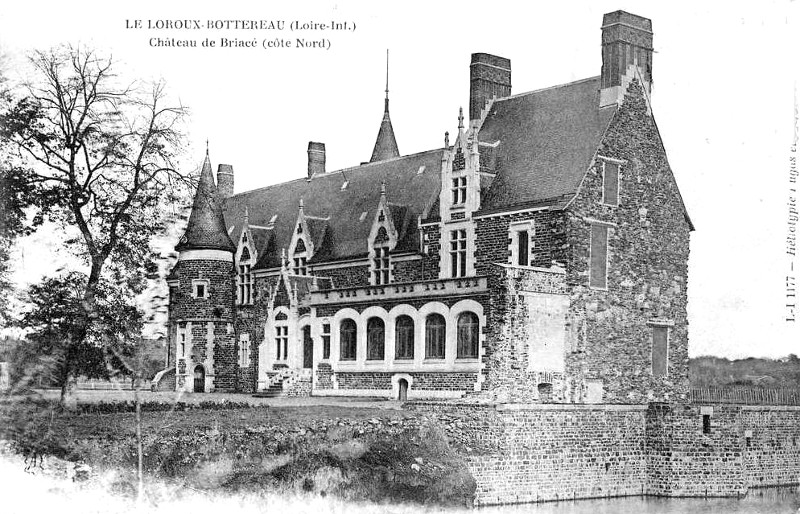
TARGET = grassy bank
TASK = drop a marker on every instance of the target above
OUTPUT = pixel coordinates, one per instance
(350, 453)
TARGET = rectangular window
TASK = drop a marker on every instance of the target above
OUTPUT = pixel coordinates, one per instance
(458, 253)
(244, 350)
(300, 266)
(326, 340)
(245, 280)
(200, 288)
(281, 342)
(598, 272)
(610, 183)
(381, 265)
(459, 191)
(522, 248)
(660, 351)
(706, 423)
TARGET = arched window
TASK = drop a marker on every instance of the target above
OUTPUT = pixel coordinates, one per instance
(404, 337)
(434, 336)
(467, 346)
(347, 340)
(376, 335)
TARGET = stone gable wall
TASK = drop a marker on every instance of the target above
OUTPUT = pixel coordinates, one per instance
(647, 268)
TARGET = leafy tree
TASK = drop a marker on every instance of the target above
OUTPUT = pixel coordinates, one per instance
(52, 349)
(102, 156)
(15, 197)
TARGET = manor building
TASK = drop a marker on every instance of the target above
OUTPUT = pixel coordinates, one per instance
(539, 255)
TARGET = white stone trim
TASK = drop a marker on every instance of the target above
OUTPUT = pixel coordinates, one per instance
(206, 287)
(514, 228)
(510, 213)
(207, 255)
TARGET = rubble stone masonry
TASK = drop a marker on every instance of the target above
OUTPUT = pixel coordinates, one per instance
(531, 452)
(648, 252)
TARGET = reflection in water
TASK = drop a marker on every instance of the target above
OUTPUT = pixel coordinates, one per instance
(758, 501)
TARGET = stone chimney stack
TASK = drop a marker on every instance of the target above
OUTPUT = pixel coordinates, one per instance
(627, 47)
(489, 77)
(316, 158)
(225, 181)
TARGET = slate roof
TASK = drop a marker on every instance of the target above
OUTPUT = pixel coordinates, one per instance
(385, 143)
(547, 140)
(206, 227)
(335, 215)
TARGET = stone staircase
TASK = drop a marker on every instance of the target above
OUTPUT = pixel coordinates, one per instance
(276, 385)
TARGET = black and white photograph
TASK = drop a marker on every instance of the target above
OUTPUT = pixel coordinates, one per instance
(351, 256)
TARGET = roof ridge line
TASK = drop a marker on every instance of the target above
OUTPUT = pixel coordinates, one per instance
(334, 172)
(574, 82)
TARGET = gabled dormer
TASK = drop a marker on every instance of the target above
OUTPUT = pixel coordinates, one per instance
(301, 248)
(458, 200)
(246, 257)
(382, 240)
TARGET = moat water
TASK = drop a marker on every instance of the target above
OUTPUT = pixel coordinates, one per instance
(773, 500)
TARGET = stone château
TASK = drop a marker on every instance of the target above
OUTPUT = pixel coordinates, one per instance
(525, 284)
(539, 255)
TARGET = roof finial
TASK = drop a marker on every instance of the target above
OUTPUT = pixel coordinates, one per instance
(246, 216)
(383, 187)
(301, 203)
(460, 118)
(446, 139)
(206, 147)
(386, 101)
(284, 260)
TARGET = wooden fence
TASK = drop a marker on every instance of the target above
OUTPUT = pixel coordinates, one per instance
(746, 395)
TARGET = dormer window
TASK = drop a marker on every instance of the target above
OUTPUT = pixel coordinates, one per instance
(459, 191)
(300, 267)
(300, 258)
(244, 276)
(381, 265)
(245, 280)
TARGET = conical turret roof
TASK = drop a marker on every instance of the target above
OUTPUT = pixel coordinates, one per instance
(385, 144)
(206, 228)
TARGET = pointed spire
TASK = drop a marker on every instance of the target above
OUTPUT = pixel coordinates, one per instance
(386, 100)
(206, 227)
(385, 144)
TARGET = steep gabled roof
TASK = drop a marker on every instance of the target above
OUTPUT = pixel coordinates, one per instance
(547, 140)
(206, 228)
(340, 217)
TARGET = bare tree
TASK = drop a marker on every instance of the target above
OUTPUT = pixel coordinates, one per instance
(103, 158)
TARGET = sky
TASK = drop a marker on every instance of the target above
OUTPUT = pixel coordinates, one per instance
(723, 97)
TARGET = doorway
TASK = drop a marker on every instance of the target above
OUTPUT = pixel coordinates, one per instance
(402, 386)
(308, 348)
(199, 379)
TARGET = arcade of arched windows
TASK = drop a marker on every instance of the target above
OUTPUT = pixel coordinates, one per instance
(433, 335)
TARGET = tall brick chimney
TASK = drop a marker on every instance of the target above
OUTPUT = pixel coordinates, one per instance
(316, 158)
(225, 180)
(627, 42)
(489, 76)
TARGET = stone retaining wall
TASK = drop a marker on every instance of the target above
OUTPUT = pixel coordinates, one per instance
(533, 452)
